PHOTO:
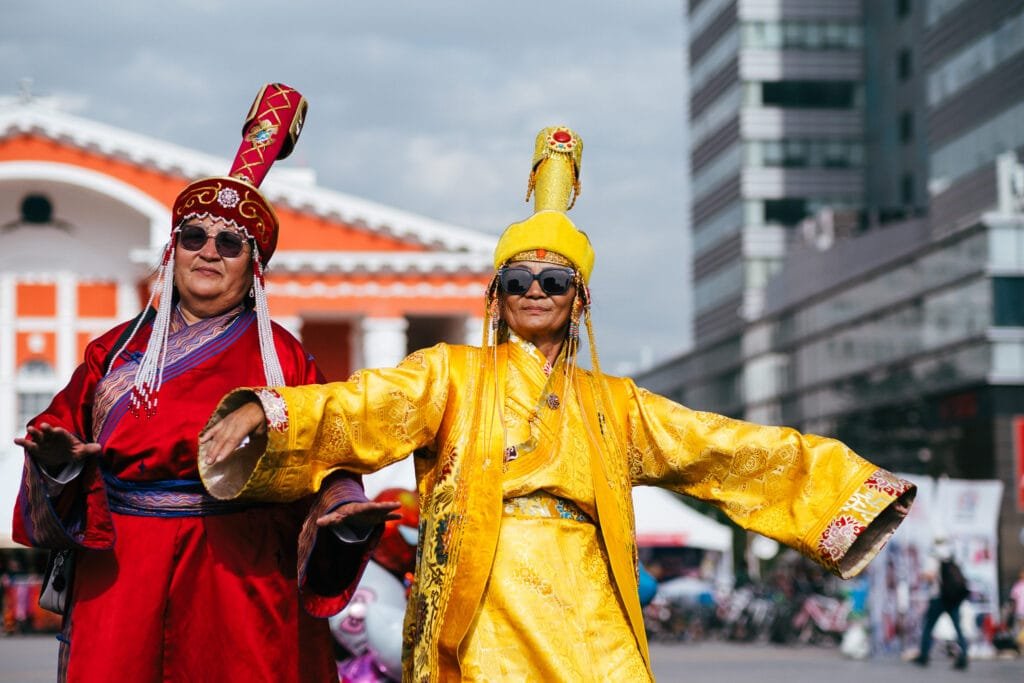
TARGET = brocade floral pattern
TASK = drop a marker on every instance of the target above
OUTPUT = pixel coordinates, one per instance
(876, 493)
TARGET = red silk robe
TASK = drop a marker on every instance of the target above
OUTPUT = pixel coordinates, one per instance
(193, 597)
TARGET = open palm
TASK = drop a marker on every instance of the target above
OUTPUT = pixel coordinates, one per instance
(54, 447)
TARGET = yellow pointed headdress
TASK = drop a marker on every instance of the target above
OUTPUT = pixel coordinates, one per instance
(549, 235)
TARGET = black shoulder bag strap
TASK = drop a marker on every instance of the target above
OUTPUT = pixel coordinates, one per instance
(146, 316)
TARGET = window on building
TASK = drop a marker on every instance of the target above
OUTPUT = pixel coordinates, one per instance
(906, 126)
(36, 209)
(804, 153)
(809, 94)
(771, 152)
(34, 381)
(30, 404)
(801, 35)
(904, 64)
(839, 154)
(784, 211)
(813, 37)
(907, 189)
(760, 270)
(794, 153)
(1007, 294)
(35, 369)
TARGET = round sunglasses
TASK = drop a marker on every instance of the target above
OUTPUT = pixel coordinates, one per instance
(553, 281)
(229, 244)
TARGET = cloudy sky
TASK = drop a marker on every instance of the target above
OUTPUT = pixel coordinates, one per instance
(431, 107)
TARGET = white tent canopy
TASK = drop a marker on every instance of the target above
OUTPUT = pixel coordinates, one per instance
(663, 520)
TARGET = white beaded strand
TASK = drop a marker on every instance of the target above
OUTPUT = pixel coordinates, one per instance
(271, 364)
(150, 374)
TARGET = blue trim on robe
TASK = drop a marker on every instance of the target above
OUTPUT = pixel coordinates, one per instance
(166, 498)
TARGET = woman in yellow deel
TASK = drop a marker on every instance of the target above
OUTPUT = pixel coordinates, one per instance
(527, 565)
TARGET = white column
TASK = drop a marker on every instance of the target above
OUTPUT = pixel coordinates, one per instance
(384, 341)
(384, 345)
(66, 352)
(8, 398)
(473, 331)
(159, 233)
(128, 305)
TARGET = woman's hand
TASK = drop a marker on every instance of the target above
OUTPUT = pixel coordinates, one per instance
(231, 432)
(54, 447)
(361, 515)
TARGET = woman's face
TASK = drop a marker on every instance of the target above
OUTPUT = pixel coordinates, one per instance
(537, 316)
(209, 283)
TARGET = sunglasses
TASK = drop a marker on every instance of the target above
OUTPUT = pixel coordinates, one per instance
(228, 244)
(553, 281)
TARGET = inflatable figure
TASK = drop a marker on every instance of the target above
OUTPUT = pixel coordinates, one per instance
(370, 626)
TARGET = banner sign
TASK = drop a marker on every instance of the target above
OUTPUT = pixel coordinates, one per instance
(966, 512)
(1018, 459)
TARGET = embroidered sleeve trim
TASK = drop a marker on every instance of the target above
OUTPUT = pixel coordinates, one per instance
(275, 408)
(858, 512)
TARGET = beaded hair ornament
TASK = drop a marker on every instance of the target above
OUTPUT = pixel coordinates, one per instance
(269, 133)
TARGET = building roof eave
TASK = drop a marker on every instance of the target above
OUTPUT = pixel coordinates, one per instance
(363, 262)
(285, 187)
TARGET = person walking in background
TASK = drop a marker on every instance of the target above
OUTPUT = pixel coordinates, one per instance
(14, 585)
(1017, 613)
(171, 583)
(947, 590)
(525, 463)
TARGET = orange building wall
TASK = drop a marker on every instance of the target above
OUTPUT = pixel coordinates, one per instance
(162, 187)
(83, 339)
(306, 232)
(36, 300)
(24, 352)
(97, 300)
(282, 304)
(299, 230)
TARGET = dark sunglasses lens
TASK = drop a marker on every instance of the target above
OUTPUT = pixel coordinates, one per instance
(229, 244)
(192, 238)
(515, 281)
(555, 281)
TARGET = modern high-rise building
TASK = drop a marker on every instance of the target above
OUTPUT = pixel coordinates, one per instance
(776, 133)
(858, 230)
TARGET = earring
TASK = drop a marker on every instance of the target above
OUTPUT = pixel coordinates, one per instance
(574, 319)
(492, 312)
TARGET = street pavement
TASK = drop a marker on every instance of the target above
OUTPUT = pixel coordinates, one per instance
(720, 662)
(28, 659)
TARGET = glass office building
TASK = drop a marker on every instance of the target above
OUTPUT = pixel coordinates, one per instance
(901, 330)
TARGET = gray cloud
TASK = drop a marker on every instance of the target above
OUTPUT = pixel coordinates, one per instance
(429, 107)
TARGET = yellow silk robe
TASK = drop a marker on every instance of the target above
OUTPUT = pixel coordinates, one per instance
(458, 407)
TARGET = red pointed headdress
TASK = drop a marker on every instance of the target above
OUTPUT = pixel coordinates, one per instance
(270, 131)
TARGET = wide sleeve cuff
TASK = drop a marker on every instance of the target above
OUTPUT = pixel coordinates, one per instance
(55, 483)
(74, 517)
(249, 472)
(328, 568)
(862, 524)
